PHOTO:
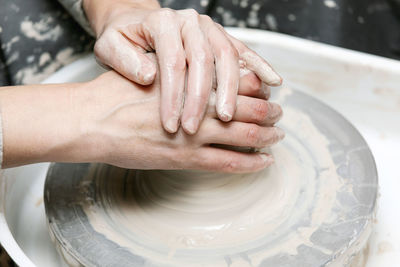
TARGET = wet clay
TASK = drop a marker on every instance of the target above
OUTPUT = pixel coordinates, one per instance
(297, 211)
(171, 211)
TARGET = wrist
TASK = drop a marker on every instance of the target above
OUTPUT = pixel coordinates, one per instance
(100, 12)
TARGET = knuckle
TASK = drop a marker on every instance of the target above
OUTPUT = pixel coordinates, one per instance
(164, 13)
(106, 44)
(230, 165)
(219, 26)
(192, 13)
(160, 18)
(97, 50)
(206, 19)
(100, 47)
(228, 49)
(260, 111)
(203, 57)
(253, 135)
(177, 161)
(176, 62)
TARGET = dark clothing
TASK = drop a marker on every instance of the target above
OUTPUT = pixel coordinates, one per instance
(371, 26)
(38, 36)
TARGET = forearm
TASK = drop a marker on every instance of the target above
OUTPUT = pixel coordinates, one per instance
(98, 11)
(41, 123)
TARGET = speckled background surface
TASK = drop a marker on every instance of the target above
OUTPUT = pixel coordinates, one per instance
(38, 37)
(372, 26)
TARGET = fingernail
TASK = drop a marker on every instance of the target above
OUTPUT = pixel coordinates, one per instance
(267, 158)
(275, 79)
(279, 133)
(191, 125)
(171, 125)
(148, 74)
(226, 114)
(148, 78)
(266, 73)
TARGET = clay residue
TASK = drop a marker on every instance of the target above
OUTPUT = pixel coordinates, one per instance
(47, 66)
(181, 218)
(39, 202)
(384, 247)
(330, 3)
(41, 30)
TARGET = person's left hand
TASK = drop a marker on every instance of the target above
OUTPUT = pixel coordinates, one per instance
(185, 43)
(115, 121)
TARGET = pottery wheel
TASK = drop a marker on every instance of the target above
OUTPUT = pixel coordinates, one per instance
(313, 207)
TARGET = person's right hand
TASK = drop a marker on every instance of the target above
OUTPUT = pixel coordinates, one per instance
(115, 121)
(185, 42)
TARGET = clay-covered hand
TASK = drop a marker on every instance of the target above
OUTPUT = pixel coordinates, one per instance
(126, 127)
(115, 121)
(186, 43)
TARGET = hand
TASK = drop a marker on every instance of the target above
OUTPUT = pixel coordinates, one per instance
(112, 120)
(131, 135)
(184, 41)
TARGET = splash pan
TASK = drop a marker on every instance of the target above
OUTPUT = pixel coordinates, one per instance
(314, 206)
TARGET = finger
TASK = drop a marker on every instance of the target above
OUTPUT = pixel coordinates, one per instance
(266, 90)
(172, 65)
(221, 160)
(254, 62)
(115, 51)
(227, 69)
(251, 110)
(240, 134)
(263, 70)
(251, 85)
(200, 72)
(258, 111)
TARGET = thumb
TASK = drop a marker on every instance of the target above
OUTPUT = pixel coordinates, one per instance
(115, 51)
